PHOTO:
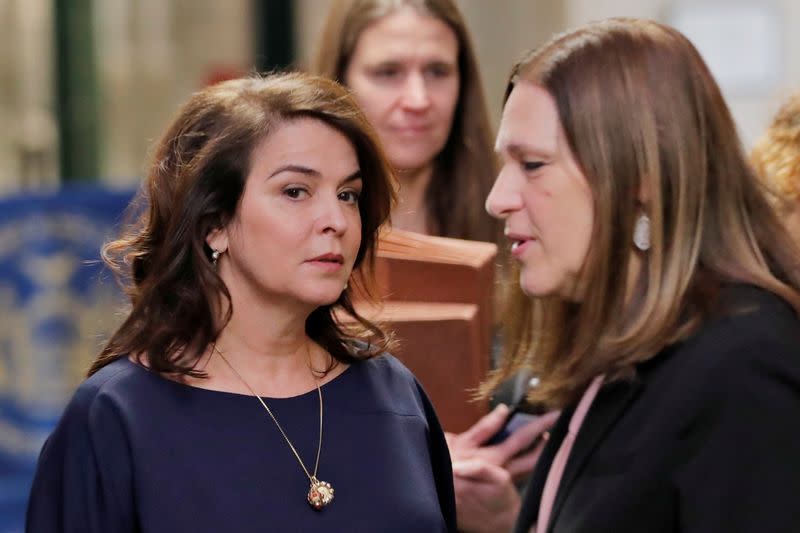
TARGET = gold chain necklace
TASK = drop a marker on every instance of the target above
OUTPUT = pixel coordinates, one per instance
(321, 493)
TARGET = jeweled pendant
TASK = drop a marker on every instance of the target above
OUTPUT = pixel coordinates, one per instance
(320, 494)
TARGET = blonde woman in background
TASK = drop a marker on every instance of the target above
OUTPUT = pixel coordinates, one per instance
(412, 68)
(776, 158)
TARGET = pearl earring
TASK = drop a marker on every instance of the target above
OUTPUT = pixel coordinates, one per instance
(641, 233)
(214, 257)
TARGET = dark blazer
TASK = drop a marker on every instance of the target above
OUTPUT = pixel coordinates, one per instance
(706, 439)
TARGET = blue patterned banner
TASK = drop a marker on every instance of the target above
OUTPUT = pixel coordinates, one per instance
(58, 304)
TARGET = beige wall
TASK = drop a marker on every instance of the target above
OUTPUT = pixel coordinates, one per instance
(28, 150)
(502, 32)
(152, 55)
(752, 108)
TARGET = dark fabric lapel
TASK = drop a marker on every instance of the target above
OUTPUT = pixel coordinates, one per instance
(606, 409)
(533, 492)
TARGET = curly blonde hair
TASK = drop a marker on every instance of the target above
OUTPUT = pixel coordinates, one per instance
(776, 156)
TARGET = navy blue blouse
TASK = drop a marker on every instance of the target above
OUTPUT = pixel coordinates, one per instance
(135, 452)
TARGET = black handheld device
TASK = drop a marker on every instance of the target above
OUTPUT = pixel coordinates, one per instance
(517, 417)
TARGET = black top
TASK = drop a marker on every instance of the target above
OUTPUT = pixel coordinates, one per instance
(135, 452)
(706, 439)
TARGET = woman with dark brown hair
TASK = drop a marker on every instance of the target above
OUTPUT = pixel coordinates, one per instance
(232, 398)
(658, 293)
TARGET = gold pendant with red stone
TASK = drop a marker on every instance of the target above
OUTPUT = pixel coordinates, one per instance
(320, 494)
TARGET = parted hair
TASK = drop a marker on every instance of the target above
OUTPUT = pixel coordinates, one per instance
(194, 185)
(465, 169)
(641, 111)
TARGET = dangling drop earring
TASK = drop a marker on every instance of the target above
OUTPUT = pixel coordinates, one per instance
(641, 233)
(214, 257)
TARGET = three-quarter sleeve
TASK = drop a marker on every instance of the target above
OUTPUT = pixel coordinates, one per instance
(83, 478)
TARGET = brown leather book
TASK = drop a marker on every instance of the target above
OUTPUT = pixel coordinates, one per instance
(438, 295)
(412, 267)
(440, 344)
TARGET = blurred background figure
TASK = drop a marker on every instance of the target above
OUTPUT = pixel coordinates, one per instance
(776, 157)
(412, 68)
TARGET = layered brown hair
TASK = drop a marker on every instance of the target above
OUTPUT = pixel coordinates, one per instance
(194, 185)
(641, 112)
(466, 167)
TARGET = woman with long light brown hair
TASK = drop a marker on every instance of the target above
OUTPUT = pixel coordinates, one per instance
(658, 293)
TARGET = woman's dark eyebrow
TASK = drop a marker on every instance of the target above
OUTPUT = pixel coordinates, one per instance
(308, 171)
(299, 169)
(353, 177)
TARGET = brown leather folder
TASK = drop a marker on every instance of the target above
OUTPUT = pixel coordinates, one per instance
(411, 267)
(440, 344)
(438, 294)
